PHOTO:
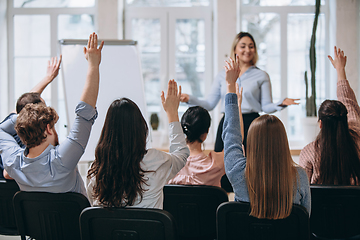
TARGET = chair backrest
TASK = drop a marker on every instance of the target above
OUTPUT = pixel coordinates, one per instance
(98, 223)
(194, 209)
(335, 211)
(8, 188)
(234, 222)
(49, 216)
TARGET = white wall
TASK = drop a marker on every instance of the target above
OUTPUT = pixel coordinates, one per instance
(107, 19)
(3, 60)
(347, 37)
(224, 31)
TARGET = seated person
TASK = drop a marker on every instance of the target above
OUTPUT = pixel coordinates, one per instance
(334, 157)
(125, 173)
(45, 165)
(33, 97)
(200, 169)
(267, 177)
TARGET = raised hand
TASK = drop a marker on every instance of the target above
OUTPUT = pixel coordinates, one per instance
(239, 94)
(339, 60)
(339, 63)
(93, 56)
(172, 101)
(52, 71)
(53, 67)
(93, 52)
(232, 71)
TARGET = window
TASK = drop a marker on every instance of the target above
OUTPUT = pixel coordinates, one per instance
(174, 43)
(34, 28)
(282, 31)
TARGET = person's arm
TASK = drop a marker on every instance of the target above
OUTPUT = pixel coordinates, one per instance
(306, 155)
(93, 56)
(178, 152)
(90, 190)
(74, 146)
(266, 101)
(8, 145)
(172, 101)
(51, 73)
(212, 98)
(8, 125)
(6, 175)
(304, 186)
(234, 159)
(239, 96)
(345, 93)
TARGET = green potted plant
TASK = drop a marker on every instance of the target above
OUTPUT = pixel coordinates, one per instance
(154, 121)
(310, 126)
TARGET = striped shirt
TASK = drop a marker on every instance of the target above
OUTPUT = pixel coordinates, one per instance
(309, 159)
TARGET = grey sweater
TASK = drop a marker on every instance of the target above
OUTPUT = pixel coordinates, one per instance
(235, 162)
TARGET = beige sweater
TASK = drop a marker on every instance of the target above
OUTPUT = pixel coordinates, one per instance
(309, 159)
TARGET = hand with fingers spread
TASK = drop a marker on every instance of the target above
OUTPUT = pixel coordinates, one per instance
(339, 63)
(232, 71)
(93, 52)
(172, 101)
(51, 73)
(53, 67)
(93, 56)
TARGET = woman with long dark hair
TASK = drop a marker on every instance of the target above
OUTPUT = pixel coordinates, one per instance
(124, 172)
(334, 157)
(267, 177)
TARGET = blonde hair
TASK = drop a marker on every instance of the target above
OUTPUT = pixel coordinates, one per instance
(270, 172)
(236, 41)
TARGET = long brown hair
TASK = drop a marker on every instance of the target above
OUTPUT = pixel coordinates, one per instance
(270, 171)
(122, 145)
(339, 153)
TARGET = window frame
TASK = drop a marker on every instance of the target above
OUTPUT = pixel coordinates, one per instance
(283, 12)
(54, 45)
(168, 17)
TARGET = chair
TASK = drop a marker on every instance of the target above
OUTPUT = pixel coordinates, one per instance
(49, 216)
(98, 223)
(194, 209)
(335, 211)
(234, 222)
(8, 188)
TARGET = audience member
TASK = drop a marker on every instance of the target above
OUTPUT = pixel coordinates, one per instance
(33, 97)
(124, 172)
(45, 165)
(201, 169)
(333, 158)
(267, 178)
